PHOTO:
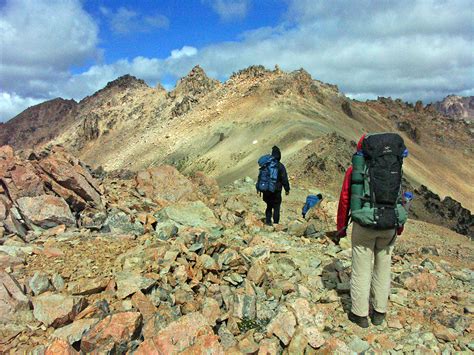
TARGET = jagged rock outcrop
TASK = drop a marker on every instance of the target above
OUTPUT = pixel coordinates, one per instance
(195, 84)
(410, 129)
(456, 107)
(47, 190)
(428, 206)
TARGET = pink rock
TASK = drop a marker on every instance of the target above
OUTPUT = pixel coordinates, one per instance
(165, 183)
(178, 336)
(256, 273)
(60, 347)
(27, 183)
(57, 309)
(71, 177)
(46, 211)
(116, 328)
(144, 305)
(12, 298)
(422, 282)
(283, 325)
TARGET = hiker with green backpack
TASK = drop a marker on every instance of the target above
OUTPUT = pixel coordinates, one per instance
(371, 197)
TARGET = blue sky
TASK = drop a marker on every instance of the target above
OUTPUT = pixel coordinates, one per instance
(180, 23)
(412, 49)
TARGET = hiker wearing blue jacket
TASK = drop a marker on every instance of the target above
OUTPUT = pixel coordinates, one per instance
(273, 199)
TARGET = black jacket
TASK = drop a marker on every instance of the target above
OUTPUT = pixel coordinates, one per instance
(282, 181)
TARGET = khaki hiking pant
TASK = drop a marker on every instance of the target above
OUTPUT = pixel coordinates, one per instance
(371, 250)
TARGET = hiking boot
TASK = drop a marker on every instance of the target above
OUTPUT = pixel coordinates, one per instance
(377, 318)
(269, 224)
(362, 322)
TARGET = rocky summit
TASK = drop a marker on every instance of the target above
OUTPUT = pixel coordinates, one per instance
(157, 262)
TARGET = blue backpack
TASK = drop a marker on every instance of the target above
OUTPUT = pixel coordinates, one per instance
(268, 174)
(311, 201)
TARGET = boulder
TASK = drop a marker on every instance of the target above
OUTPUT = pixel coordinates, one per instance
(113, 329)
(46, 188)
(72, 176)
(182, 334)
(60, 346)
(45, 211)
(191, 214)
(164, 183)
(119, 222)
(144, 305)
(283, 325)
(39, 283)
(85, 287)
(74, 331)
(128, 283)
(57, 310)
(421, 282)
(12, 297)
(211, 310)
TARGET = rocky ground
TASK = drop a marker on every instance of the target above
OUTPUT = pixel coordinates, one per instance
(176, 265)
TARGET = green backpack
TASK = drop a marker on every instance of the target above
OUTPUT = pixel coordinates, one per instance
(376, 200)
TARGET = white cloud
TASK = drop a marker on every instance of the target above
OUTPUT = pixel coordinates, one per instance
(32, 33)
(186, 51)
(11, 104)
(408, 49)
(229, 9)
(124, 21)
(38, 46)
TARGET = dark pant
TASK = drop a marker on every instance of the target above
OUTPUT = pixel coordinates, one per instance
(273, 201)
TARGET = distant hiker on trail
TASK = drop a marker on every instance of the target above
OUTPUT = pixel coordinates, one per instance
(371, 192)
(272, 178)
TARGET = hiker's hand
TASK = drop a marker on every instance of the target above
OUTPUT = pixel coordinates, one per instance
(287, 193)
(259, 193)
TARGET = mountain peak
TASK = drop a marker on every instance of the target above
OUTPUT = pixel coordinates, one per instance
(196, 83)
(126, 81)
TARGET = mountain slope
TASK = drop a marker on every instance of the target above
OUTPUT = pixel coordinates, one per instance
(222, 128)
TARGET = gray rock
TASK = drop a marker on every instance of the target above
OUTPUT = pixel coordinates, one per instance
(39, 283)
(45, 211)
(227, 339)
(358, 345)
(58, 282)
(166, 230)
(119, 222)
(469, 309)
(74, 332)
(398, 299)
(128, 283)
(192, 214)
(56, 309)
(343, 287)
(315, 262)
(244, 306)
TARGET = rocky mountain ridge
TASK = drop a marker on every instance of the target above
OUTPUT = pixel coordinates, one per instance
(222, 128)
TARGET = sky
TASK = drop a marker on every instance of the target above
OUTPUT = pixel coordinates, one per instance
(408, 49)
